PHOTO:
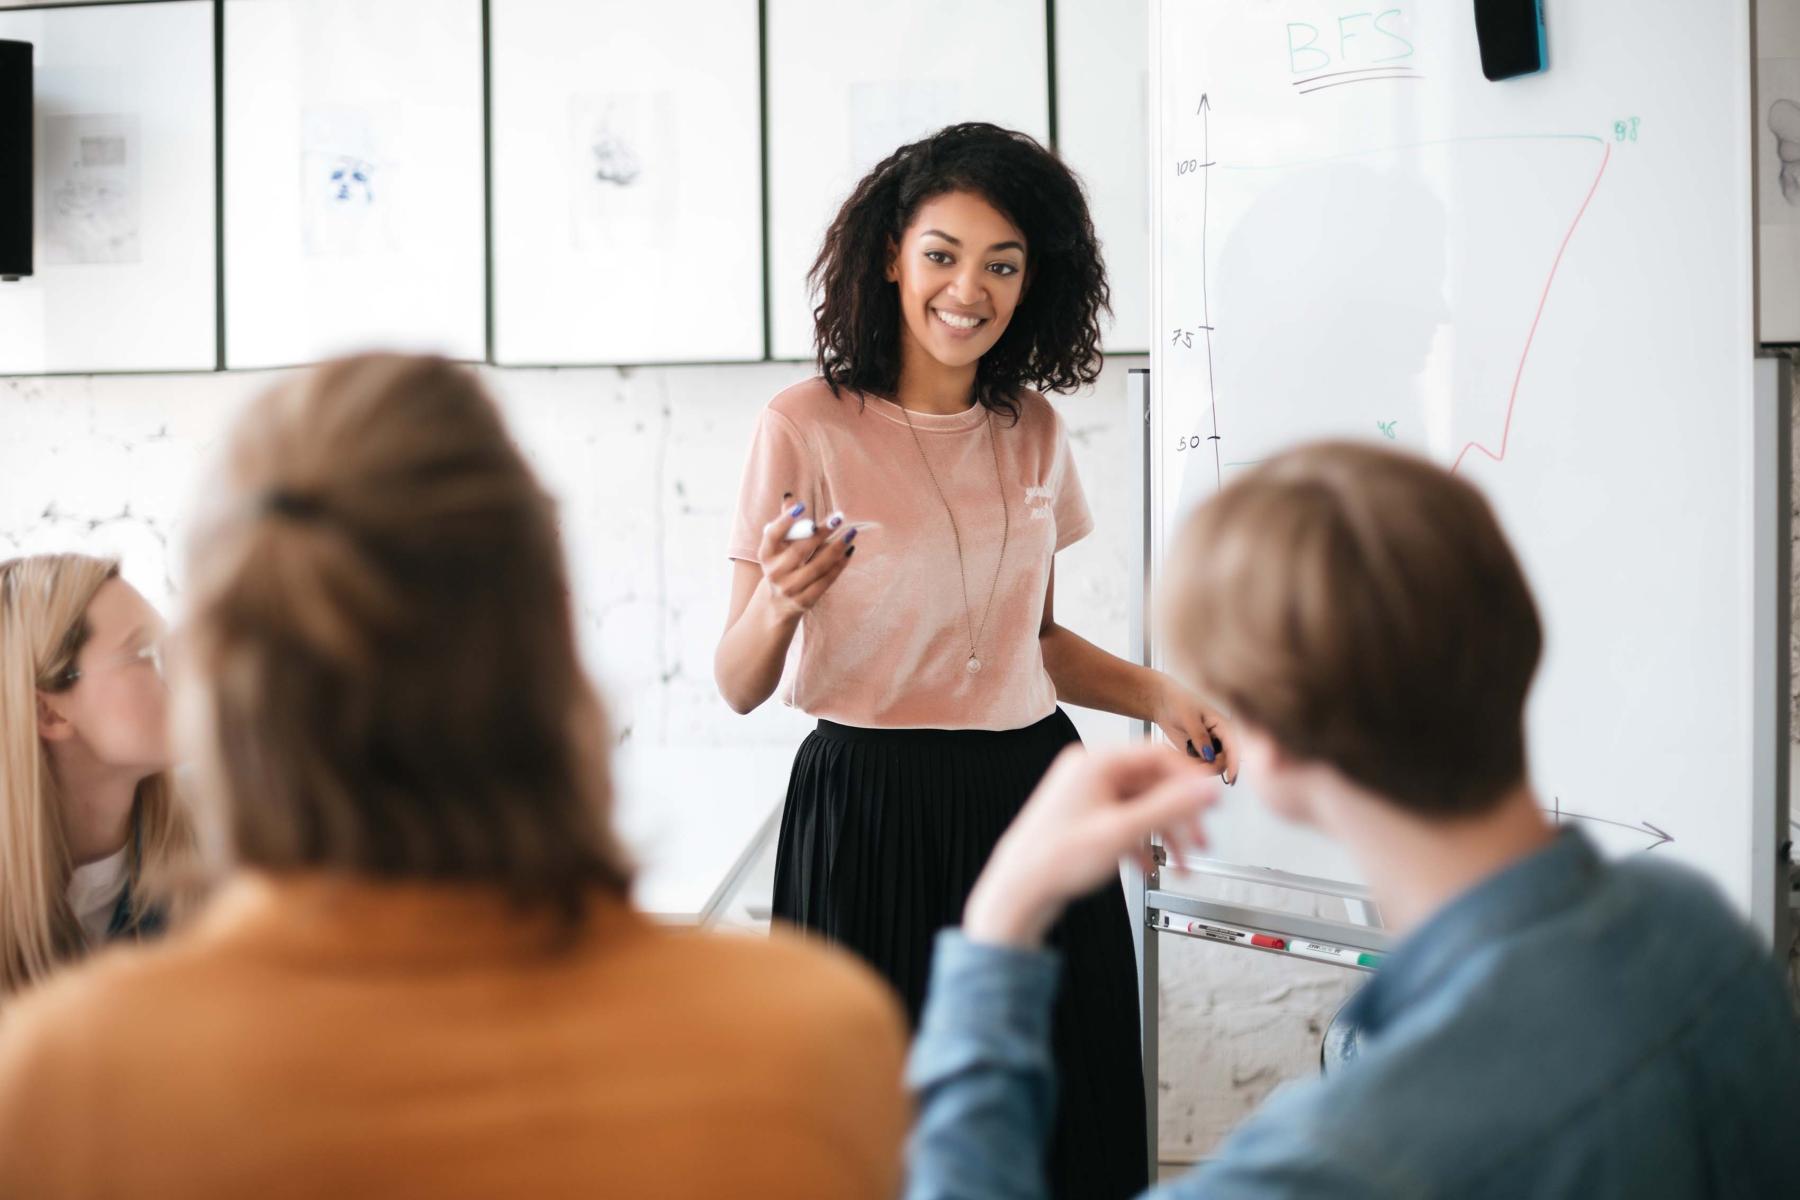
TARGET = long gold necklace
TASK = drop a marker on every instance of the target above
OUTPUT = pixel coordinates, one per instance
(975, 635)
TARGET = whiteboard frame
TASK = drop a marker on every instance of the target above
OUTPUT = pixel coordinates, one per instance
(1772, 911)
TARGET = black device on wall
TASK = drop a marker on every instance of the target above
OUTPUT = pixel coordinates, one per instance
(15, 160)
(1511, 33)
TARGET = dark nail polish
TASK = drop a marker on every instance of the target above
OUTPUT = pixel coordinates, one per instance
(850, 535)
(849, 552)
(786, 496)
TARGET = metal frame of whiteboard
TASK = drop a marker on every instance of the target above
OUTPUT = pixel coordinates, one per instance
(1145, 894)
(1138, 883)
(1773, 484)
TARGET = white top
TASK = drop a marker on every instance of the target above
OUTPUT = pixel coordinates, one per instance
(94, 891)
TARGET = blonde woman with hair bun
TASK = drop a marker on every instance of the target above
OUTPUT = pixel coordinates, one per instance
(90, 830)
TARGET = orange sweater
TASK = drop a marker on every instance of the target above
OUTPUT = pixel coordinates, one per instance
(321, 1038)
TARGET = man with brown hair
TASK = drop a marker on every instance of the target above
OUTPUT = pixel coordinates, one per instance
(1551, 1024)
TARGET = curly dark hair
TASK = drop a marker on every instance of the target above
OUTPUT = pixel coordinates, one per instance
(1053, 340)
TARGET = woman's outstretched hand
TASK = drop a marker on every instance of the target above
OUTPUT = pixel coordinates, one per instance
(1090, 811)
(1185, 720)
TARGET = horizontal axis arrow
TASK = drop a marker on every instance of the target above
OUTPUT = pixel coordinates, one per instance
(1643, 827)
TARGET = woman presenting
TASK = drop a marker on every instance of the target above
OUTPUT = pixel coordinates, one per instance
(962, 273)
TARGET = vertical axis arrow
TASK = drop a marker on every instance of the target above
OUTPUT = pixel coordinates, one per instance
(1206, 164)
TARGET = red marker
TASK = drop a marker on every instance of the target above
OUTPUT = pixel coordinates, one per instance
(1224, 933)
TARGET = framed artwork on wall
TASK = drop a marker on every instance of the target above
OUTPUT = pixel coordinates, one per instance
(354, 189)
(125, 193)
(849, 83)
(627, 182)
(1103, 133)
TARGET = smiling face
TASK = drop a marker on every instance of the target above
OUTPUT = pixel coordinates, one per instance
(960, 270)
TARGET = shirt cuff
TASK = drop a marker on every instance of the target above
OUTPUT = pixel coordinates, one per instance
(1074, 533)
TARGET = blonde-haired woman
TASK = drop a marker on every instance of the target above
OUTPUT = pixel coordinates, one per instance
(89, 824)
(424, 977)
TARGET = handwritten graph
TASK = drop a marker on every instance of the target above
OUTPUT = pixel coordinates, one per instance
(1200, 337)
(1512, 398)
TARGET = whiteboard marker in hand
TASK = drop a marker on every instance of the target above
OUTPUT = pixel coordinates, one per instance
(804, 528)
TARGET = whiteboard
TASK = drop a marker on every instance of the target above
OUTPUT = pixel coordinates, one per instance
(1102, 113)
(848, 84)
(126, 211)
(1544, 284)
(627, 182)
(353, 165)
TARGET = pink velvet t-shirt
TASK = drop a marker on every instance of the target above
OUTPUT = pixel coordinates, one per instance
(887, 646)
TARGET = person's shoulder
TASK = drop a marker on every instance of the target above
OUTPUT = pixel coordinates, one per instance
(1668, 885)
(811, 402)
(785, 980)
(1040, 419)
(1037, 410)
(93, 1010)
(1682, 933)
(789, 999)
(1297, 1144)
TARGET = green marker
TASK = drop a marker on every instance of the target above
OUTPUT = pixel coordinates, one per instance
(1344, 956)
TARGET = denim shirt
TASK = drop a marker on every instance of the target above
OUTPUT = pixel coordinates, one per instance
(1567, 1027)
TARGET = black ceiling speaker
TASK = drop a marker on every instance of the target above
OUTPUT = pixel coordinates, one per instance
(15, 160)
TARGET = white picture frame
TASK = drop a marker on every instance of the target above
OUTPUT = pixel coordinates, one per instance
(355, 211)
(125, 222)
(1103, 133)
(848, 84)
(1775, 136)
(627, 182)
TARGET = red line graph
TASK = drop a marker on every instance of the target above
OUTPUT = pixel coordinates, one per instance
(1512, 398)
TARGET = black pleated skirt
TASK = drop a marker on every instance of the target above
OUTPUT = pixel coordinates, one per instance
(884, 833)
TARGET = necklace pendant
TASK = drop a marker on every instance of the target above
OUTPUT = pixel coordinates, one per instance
(973, 665)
